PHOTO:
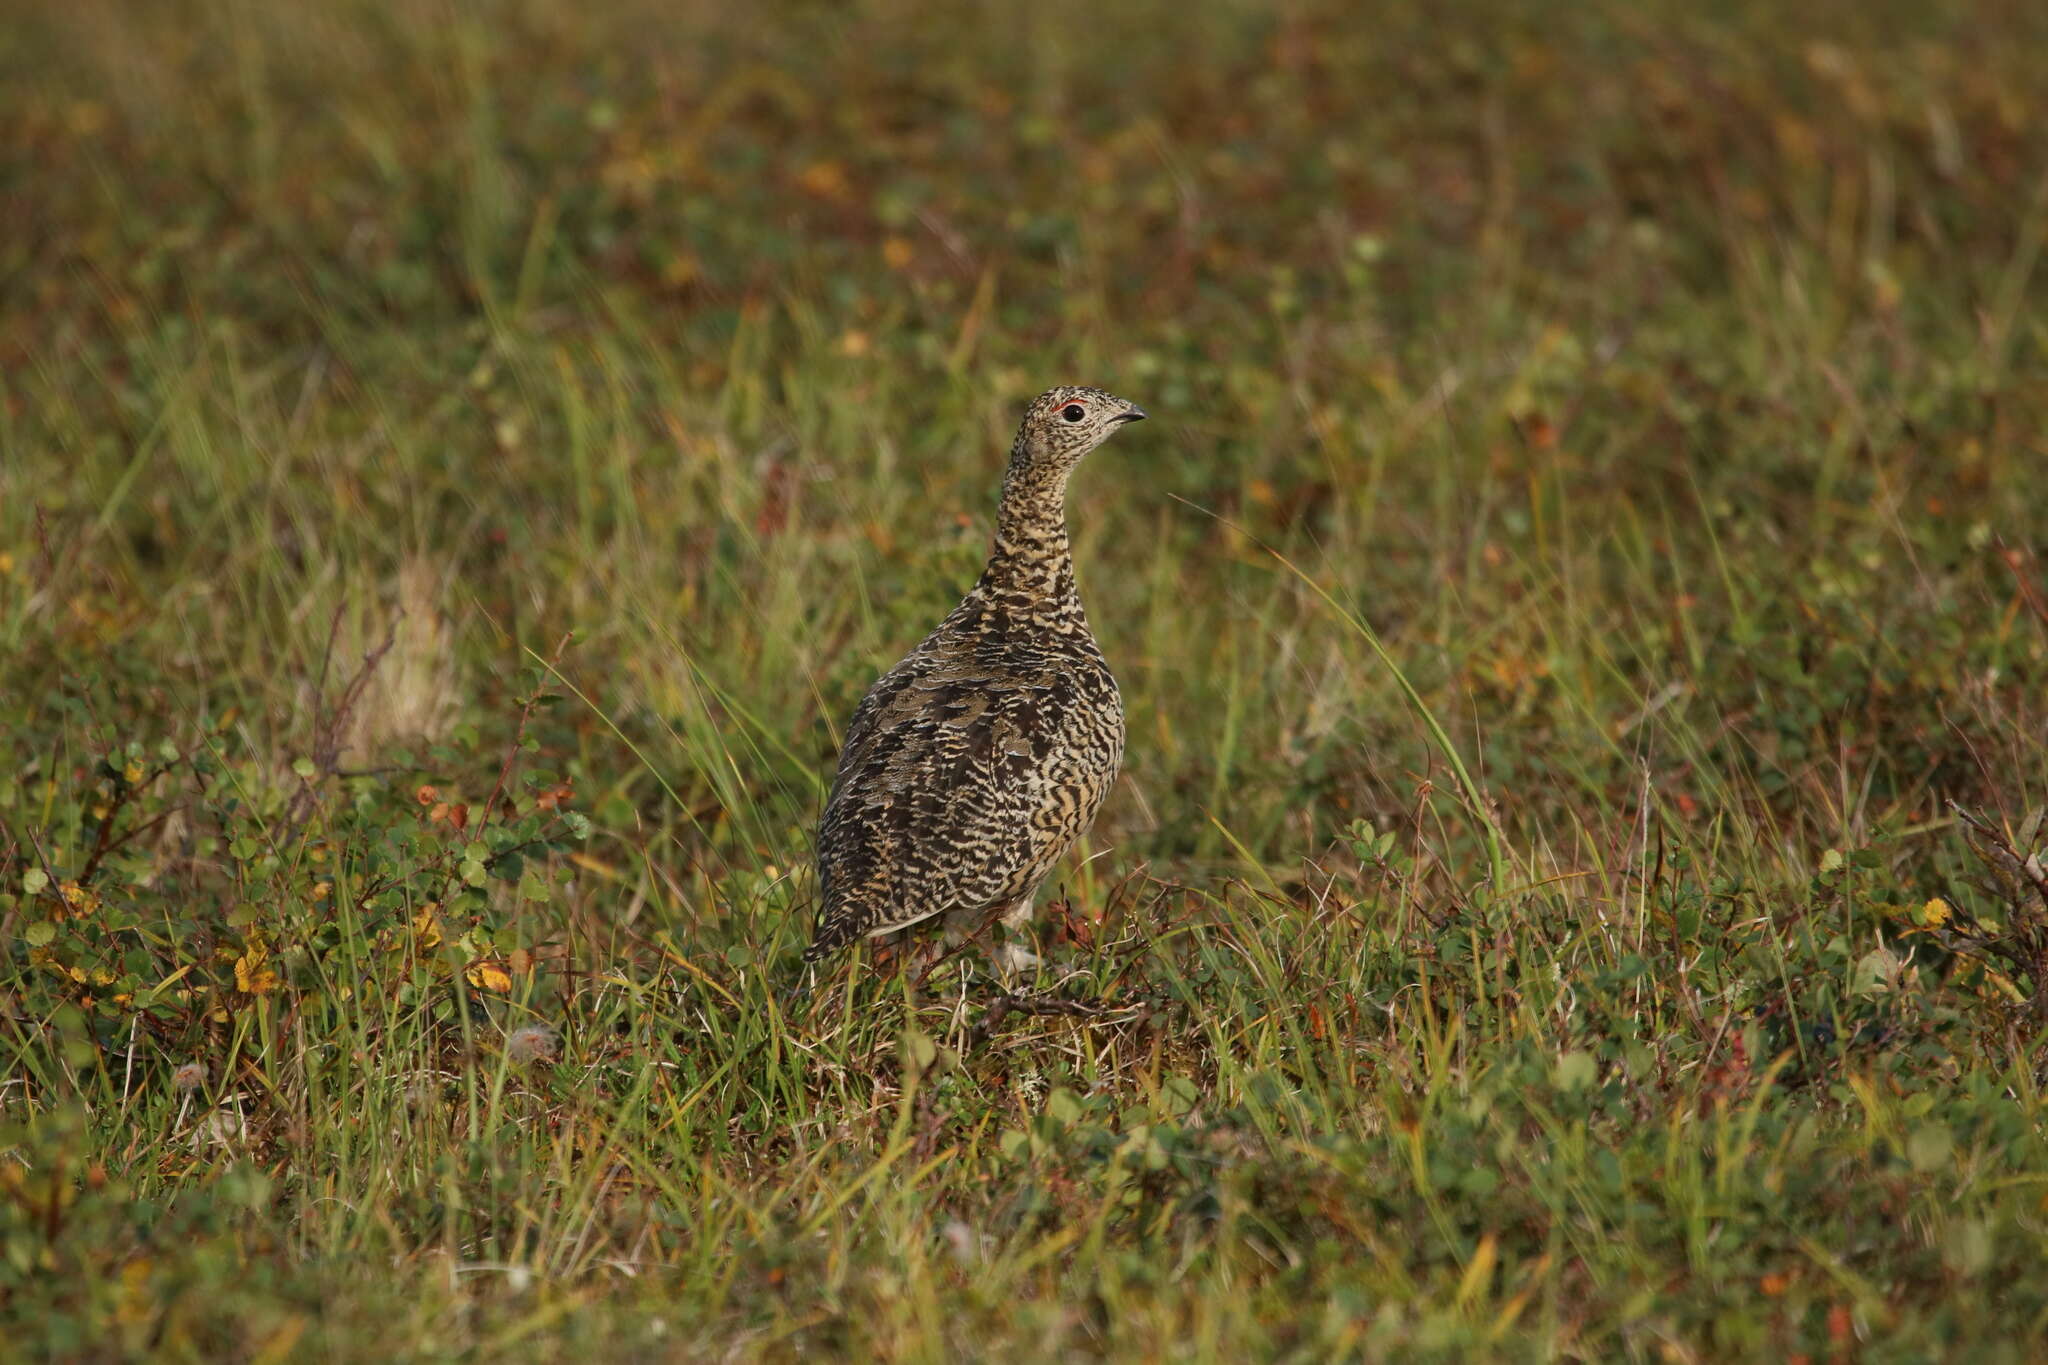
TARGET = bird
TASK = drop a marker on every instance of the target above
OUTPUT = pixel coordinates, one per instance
(970, 768)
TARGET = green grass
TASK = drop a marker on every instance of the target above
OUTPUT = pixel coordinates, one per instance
(1593, 524)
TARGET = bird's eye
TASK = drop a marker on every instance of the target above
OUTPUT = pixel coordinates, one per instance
(1073, 412)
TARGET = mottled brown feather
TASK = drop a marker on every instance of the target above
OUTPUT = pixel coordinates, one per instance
(971, 767)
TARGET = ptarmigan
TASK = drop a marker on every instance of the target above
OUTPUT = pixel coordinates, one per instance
(973, 765)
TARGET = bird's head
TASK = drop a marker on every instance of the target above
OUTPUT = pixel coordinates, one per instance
(1063, 424)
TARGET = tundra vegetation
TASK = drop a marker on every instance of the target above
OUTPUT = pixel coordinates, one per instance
(1581, 602)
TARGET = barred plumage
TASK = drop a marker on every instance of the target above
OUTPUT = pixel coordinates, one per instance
(972, 766)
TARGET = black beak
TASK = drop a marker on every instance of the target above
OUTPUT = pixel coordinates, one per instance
(1136, 414)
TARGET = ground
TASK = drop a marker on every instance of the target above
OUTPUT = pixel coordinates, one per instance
(460, 464)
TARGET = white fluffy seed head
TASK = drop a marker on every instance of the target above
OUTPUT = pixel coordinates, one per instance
(532, 1043)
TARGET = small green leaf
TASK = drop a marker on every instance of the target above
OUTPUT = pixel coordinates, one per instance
(1576, 1070)
(1929, 1147)
(40, 933)
(1177, 1095)
(1876, 972)
(1831, 861)
(304, 768)
(473, 872)
(1480, 1180)
(533, 887)
(1970, 1246)
(34, 880)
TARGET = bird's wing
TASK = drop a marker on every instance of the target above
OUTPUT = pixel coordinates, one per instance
(952, 792)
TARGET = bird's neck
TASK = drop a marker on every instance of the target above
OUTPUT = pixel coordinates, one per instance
(1031, 564)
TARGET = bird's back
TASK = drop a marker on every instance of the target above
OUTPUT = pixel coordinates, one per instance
(967, 771)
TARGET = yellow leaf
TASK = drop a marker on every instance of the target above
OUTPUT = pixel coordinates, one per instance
(251, 975)
(826, 179)
(1936, 912)
(488, 976)
(426, 927)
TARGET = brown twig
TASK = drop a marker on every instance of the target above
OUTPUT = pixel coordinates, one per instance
(2024, 868)
(1003, 1006)
(526, 710)
(2028, 592)
(2023, 943)
(331, 724)
(52, 886)
(105, 843)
